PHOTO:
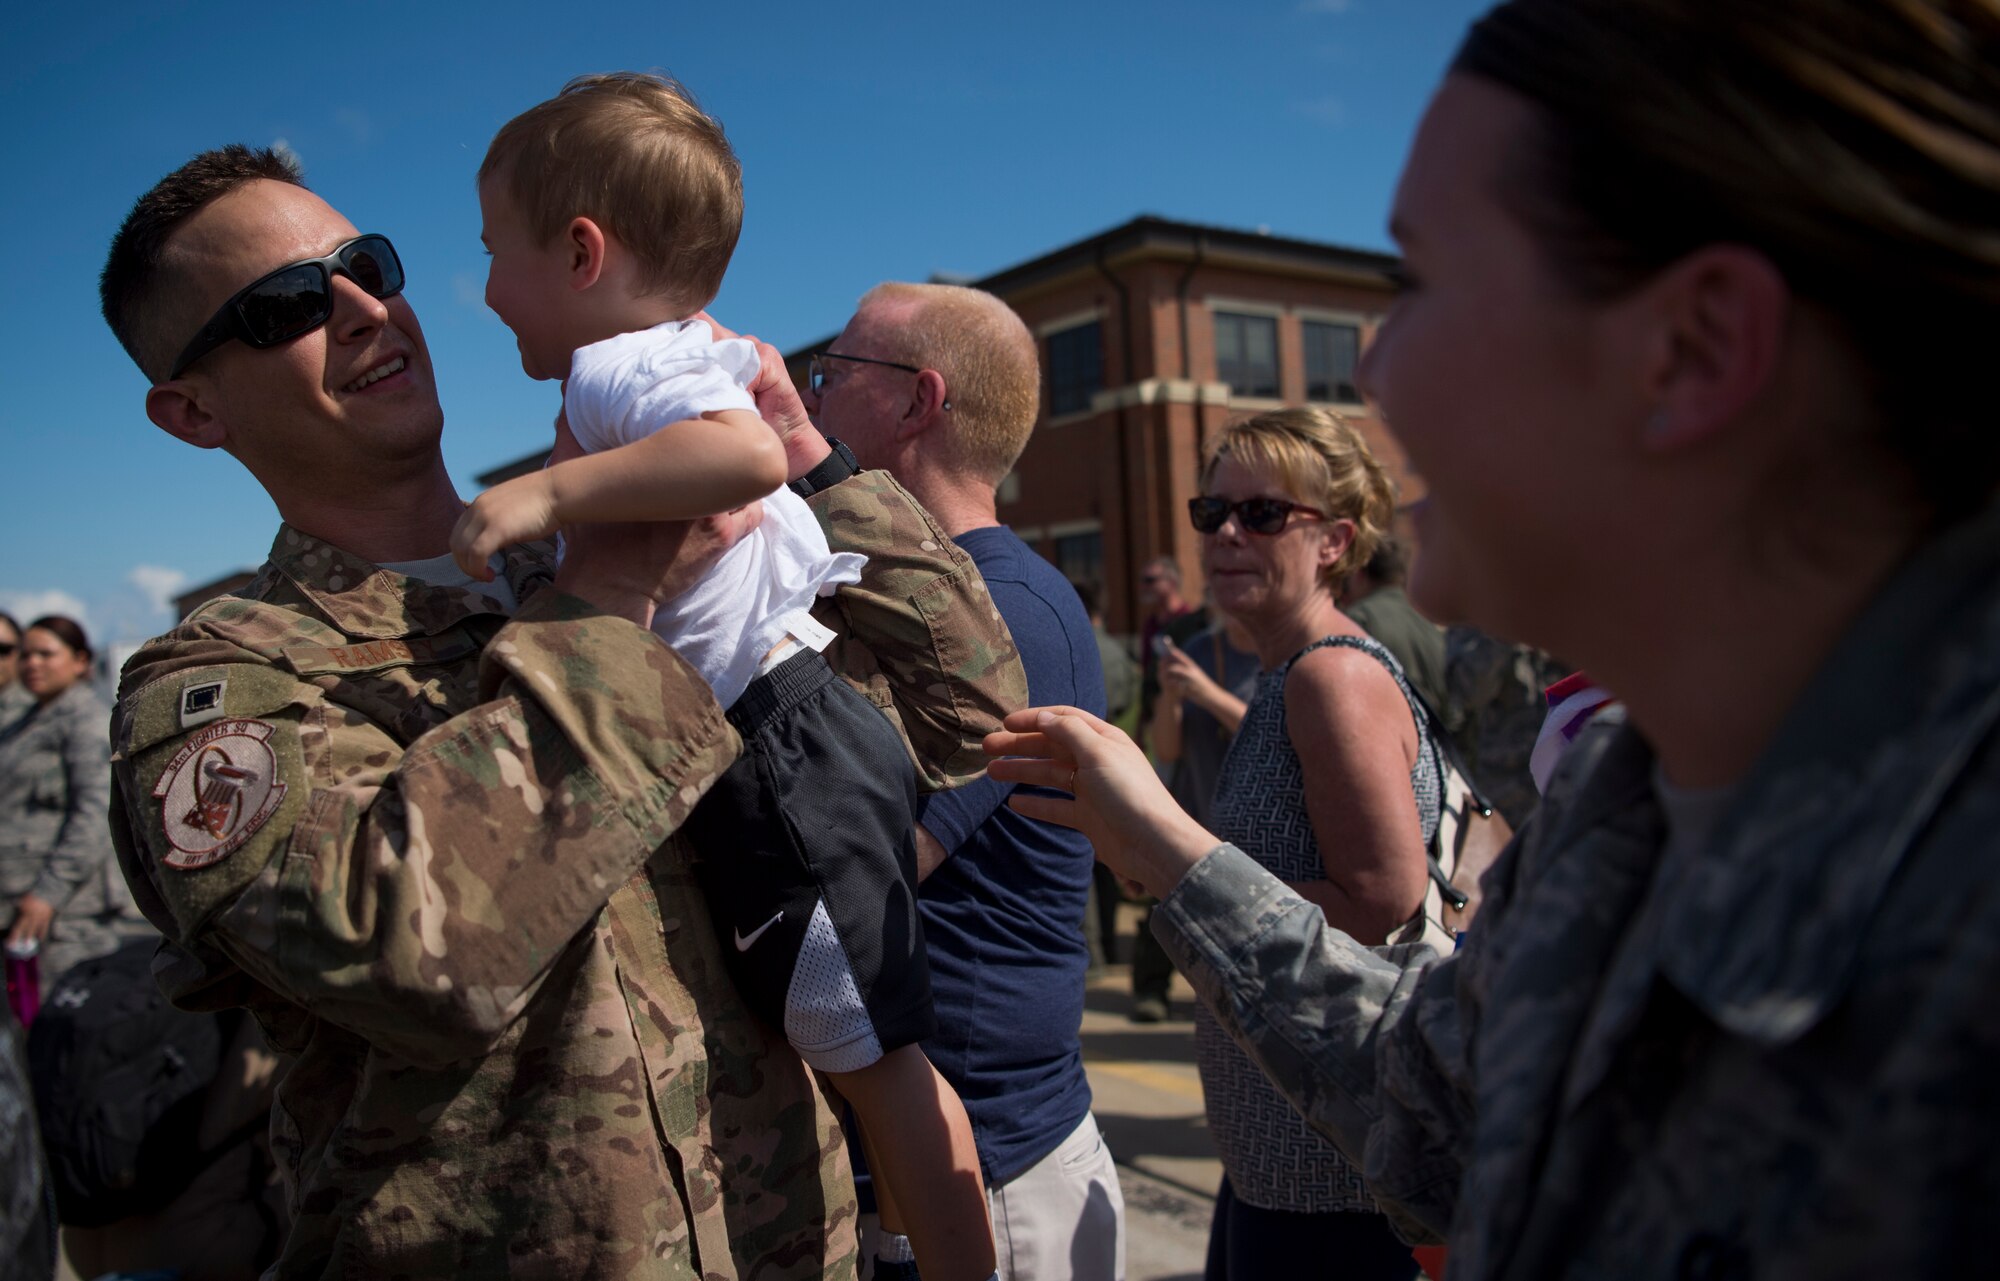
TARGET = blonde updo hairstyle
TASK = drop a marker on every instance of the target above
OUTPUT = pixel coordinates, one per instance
(1855, 144)
(1323, 461)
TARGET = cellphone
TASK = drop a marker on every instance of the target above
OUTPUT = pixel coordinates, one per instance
(1161, 645)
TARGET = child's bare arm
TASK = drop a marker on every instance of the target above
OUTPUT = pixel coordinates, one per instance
(697, 467)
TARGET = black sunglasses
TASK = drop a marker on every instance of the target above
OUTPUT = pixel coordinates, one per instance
(297, 298)
(816, 367)
(7, 651)
(1257, 515)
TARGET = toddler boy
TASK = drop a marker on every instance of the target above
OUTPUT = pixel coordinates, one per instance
(610, 213)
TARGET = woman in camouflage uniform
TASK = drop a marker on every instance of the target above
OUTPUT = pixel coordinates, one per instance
(57, 881)
(1695, 357)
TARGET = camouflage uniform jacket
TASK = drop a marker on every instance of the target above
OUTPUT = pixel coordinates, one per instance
(1493, 709)
(430, 848)
(14, 700)
(1776, 1059)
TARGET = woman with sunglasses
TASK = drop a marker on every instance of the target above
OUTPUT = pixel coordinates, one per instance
(1331, 784)
(1695, 358)
(60, 890)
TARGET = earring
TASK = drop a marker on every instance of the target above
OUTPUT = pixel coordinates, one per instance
(945, 405)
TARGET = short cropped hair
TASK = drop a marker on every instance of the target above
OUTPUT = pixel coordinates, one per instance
(1321, 459)
(636, 155)
(144, 292)
(991, 371)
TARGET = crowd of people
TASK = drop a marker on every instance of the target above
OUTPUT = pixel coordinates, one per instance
(619, 906)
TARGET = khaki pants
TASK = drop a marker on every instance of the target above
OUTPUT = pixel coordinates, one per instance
(1064, 1217)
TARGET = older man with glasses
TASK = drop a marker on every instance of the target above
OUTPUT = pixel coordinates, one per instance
(425, 827)
(940, 386)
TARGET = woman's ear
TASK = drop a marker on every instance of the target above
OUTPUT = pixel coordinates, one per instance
(1339, 537)
(1719, 317)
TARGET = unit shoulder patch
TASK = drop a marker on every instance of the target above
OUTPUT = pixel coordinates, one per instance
(219, 788)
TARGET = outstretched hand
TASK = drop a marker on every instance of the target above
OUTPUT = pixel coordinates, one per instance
(1137, 828)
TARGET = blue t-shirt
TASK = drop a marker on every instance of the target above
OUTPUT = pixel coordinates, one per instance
(1003, 917)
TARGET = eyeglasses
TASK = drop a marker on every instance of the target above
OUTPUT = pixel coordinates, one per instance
(7, 651)
(816, 367)
(297, 298)
(1257, 515)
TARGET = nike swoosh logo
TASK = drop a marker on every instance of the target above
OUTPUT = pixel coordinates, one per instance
(743, 941)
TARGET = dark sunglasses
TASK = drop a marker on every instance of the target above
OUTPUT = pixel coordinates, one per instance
(7, 651)
(816, 367)
(1257, 515)
(297, 298)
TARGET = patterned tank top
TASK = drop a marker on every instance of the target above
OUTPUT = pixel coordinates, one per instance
(1274, 1159)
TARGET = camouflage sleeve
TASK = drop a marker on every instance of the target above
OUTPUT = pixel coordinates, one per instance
(1365, 1042)
(919, 634)
(84, 842)
(414, 897)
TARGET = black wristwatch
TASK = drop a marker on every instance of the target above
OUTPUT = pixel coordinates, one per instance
(834, 468)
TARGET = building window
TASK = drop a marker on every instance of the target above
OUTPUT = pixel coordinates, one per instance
(1080, 557)
(1076, 368)
(1246, 354)
(1331, 351)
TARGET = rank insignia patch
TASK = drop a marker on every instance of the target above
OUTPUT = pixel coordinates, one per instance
(219, 788)
(202, 703)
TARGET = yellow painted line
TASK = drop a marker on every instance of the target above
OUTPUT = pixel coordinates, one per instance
(1152, 1078)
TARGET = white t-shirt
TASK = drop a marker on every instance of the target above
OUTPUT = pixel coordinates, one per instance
(761, 591)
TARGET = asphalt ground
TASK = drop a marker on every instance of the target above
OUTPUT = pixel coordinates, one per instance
(1147, 1100)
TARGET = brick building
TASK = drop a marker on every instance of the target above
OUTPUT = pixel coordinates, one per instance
(1153, 335)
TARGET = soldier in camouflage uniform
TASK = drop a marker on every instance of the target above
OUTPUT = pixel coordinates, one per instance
(1729, 1008)
(429, 841)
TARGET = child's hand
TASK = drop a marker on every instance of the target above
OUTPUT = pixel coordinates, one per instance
(513, 511)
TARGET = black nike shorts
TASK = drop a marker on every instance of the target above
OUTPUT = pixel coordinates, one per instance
(806, 851)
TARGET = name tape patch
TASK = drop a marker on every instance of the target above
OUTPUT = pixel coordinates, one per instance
(371, 656)
(219, 788)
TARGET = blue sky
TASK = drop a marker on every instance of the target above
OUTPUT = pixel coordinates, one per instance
(879, 141)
